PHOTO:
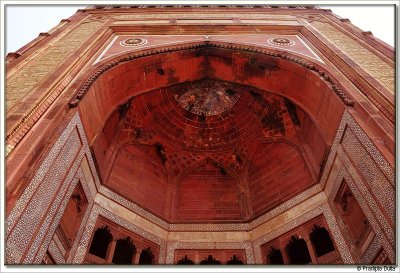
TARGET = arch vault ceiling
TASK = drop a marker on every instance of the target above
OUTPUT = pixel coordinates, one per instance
(207, 150)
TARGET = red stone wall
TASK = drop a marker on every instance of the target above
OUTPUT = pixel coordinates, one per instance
(104, 144)
(41, 114)
(138, 173)
(312, 139)
(72, 217)
(277, 173)
(207, 193)
(352, 215)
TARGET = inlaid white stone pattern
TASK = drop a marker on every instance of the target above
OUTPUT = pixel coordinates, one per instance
(79, 177)
(371, 180)
(377, 157)
(42, 204)
(99, 211)
(42, 198)
(332, 224)
(56, 253)
(368, 206)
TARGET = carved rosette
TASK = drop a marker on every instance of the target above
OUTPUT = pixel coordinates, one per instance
(280, 41)
(134, 42)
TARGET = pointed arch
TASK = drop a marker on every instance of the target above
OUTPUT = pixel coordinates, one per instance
(196, 60)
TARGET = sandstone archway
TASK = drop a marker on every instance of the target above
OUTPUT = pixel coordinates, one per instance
(253, 100)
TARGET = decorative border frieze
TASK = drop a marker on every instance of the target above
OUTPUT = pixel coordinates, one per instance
(230, 7)
(53, 217)
(45, 62)
(42, 195)
(372, 250)
(371, 202)
(351, 68)
(79, 177)
(210, 227)
(379, 159)
(22, 202)
(378, 222)
(49, 178)
(56, 253)
(361, 188)
(359, 54)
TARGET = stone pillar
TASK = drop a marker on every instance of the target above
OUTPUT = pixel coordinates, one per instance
(110, 252)
(137, 255)
(310, 249)
(282, 247)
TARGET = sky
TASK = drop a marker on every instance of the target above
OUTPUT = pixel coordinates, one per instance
(24, 23)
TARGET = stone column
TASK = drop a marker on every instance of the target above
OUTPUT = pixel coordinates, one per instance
(282, 248)
(110, 252)
(137, 255)
(310, 249)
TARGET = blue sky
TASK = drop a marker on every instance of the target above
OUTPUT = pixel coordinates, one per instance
(25, 22)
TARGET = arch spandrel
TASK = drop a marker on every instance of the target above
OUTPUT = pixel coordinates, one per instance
(121, 45)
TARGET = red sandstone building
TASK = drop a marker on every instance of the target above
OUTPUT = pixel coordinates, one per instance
(201, 135)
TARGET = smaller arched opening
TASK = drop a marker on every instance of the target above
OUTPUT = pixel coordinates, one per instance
(101, 239)
(210, 260)
(274, 256)
(147, 256)
(321, 240)
(297, 251)
(185, 261)
(234, 261)
(124, 251)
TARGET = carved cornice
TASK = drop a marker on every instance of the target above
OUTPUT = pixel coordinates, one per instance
(324, 75)
(218, 6)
